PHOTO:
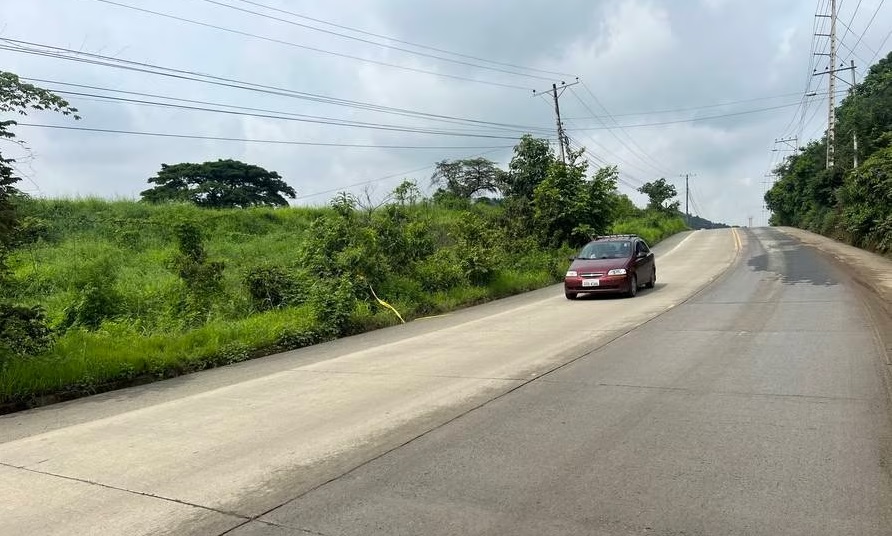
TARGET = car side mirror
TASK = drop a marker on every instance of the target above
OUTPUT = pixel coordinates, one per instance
(642, 255)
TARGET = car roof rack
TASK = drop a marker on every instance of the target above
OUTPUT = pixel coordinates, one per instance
(602, 237)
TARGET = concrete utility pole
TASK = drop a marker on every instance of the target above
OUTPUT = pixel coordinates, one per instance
(557, 112)
(832, 69)
(854, 132)
(687, 199)
(831, 113)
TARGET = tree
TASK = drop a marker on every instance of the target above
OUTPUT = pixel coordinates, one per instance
(528, 168)
(658, 192)
(570, 209)
(220, 184)
(23, 330)
(866, 203)
(836, 201)
(18, 97)
(468, 177)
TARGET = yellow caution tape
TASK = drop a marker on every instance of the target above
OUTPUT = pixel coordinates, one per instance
(385, 304)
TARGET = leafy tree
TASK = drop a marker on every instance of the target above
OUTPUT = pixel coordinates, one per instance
(840, 201)
(407, 193)
(528, 168)
(866, 201)
(220, 184)
(659, 192)
(570, 209)
(17, 97)
(624, 208)
(23, 330)
(468, 177)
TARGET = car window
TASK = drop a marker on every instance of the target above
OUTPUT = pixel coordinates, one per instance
(606, 250)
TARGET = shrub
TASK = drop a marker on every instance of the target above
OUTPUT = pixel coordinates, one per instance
(440, 271)
(97, 300)
(271, 286)
(202, 277)
(333, 301)
(23, 331)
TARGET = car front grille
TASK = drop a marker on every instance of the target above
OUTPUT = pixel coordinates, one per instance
(592, 274)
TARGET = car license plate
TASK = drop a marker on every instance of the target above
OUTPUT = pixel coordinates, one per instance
(590, 282)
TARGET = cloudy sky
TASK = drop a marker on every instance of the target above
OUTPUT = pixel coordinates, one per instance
(657, 71)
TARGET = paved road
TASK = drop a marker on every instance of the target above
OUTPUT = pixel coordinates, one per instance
(755, 407)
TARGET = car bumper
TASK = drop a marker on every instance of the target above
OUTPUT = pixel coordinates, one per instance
(615, 283)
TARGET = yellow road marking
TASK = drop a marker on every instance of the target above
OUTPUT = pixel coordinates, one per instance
(738, 244)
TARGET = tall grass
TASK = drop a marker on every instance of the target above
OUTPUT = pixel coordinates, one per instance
(129, 247)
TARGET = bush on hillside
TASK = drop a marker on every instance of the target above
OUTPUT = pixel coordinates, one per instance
(23, 332)
(270, 286)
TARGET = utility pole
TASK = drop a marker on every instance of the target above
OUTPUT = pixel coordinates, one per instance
(831, 111)
(557, 112)
(792, 144)
(854, 131)
(687, 197)
(832, 69)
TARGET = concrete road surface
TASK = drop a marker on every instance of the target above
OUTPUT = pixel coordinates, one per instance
(757, 406)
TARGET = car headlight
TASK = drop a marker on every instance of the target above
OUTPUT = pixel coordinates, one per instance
(571, 273)
(618, 271)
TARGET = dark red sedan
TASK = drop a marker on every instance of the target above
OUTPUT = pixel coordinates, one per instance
(616, 263)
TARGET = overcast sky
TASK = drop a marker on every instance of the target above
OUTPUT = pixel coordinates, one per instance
(639, 58)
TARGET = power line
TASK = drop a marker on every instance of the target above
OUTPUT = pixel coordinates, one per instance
(851, 19)
(696, 119)
(695, 108)
(204, 78)
(880, 49)
(253, 140)
(395, 40)
(368, 41)
(619, 159)
(647, 158)
(307, 47)
(593, 161)
(657, 165)
(290, 117)
(869, 23)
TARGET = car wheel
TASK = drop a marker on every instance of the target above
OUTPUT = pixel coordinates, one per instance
(653, 280)
(570, 295)
(633, 287)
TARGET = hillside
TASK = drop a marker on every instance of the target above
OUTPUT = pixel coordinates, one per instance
(132, 297)
(849, 203)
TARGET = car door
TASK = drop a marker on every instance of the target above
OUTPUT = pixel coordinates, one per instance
(644, 261)
(650, 259)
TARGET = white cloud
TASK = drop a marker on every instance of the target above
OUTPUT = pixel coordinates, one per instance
(635, 55)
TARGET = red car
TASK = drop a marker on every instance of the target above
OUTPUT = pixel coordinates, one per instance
(611, 264)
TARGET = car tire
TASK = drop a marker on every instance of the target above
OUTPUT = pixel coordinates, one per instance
(633, 287)
(570, 295)
(653, 280)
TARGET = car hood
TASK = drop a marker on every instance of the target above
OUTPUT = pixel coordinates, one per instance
(597, 265)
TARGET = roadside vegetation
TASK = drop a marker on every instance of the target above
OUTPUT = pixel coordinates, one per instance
(846, 202)
(212, 267)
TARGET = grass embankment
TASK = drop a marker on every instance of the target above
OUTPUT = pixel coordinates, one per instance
(110, 276)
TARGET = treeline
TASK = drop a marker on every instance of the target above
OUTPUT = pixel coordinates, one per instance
(845, 202)
(98, 294)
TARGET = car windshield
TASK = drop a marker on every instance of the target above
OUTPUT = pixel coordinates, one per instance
(607, 250)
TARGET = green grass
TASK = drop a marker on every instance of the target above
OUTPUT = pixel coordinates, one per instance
(652, 228)
(131, 246)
